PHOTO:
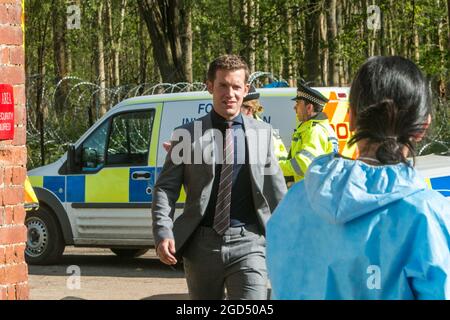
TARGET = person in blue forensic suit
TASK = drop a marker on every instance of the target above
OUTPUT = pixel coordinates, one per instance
(368, 228)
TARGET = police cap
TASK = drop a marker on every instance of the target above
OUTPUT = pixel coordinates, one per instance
(309, 94)
(252, 94)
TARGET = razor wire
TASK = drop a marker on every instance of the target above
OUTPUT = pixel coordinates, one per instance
(81, 107)
(64, 122)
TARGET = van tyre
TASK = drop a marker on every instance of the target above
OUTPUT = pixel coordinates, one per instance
(129, 253)
(45, 243)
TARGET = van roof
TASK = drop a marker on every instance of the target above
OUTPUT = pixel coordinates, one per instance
(205, 95)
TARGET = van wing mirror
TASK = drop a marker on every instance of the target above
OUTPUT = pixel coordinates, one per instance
(71, 158)
(89, 158)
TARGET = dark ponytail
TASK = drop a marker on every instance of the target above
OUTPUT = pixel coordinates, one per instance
(390, 100)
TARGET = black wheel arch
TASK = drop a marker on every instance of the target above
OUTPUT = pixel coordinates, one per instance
(48, 199)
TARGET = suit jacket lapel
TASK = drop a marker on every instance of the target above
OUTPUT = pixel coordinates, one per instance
(252, 143)
(207, 125)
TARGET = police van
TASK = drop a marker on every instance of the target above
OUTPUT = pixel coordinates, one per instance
(99, 193)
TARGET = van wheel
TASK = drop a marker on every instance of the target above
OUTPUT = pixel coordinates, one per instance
(45, 243)
(129, 253)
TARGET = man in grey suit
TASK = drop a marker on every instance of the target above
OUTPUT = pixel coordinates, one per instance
(226, 163)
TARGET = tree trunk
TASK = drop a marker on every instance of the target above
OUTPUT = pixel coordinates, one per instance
(266, 62)
(312, 61)
(325, 48)
(101, 62)
(186, 41)
(143, 53)
(59, 54)
(447, 89)
(251, 35)
(290, 46)
(332, 40)
(229, 40)
(165, 27)
(115, 38)
(244, 29)
(339, 21)
(448, 25)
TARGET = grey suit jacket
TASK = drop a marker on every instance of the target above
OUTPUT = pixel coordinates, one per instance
(267, 181)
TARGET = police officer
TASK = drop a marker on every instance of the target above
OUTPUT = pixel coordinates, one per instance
(313, 136)
(252, 107)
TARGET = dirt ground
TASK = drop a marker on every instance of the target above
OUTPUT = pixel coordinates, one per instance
(105, 276)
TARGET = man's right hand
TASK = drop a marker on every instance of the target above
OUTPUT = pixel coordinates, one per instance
(166, 251)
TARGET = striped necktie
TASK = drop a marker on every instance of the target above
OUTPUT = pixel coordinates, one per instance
(222, 214)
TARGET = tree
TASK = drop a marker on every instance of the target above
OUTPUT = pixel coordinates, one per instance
(168, 30)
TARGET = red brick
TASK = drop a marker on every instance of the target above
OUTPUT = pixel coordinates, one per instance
(4, 56)
(17, 55)
(12, 292)
(14, 254)
(19, 252)
(20, 156)
(22, 292)
(13, 195)
(6, 154)
(19, 175)
(20, 115)
(11, 74)
(11, 35)
(19, 214)
(20, 136)
(17, 273)
(13, 234)
(19, 96)
(8, 215)
(2, 170)
(12, 155)
(3, 293)
(15, 14)
(4, 14)
(2, 255)
(7, 177)
(16, 155)
(2, 275)
(9, 255)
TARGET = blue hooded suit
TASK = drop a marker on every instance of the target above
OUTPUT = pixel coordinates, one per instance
(355, 231)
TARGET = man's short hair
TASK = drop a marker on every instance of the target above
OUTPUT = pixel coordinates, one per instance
(228, 62)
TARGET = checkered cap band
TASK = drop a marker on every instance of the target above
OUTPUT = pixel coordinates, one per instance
(301, 94)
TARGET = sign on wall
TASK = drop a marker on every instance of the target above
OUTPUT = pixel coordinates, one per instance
(6, 112)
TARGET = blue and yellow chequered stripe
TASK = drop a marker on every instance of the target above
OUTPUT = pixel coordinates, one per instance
(81, 189)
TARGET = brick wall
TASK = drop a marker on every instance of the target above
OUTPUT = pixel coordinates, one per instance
(13, 157)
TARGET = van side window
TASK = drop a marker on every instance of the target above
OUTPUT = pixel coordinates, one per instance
(129, 139)
(93, 149)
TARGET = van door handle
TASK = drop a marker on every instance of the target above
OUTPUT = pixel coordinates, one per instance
(141, 175)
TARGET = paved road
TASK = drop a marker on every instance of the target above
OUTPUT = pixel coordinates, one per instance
(105, 276)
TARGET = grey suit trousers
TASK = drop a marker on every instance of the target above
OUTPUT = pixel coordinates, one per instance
(234, 261)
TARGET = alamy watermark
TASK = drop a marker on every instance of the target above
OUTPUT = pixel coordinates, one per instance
(73, 17)
(374, 18)
(74, 280)
(374, 279)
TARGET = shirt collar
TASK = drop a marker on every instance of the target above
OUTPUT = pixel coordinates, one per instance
(218, 119)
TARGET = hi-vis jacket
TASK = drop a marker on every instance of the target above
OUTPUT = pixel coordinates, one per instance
(278, 145)
(311, 139)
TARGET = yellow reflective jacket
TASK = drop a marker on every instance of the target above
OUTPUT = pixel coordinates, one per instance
(311, 139)
(278, 145)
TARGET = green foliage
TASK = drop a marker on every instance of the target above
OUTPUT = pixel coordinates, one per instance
(416, 29)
